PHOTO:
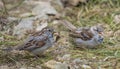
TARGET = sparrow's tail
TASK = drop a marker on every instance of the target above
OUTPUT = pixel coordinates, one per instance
(9, 49)
(68, 25)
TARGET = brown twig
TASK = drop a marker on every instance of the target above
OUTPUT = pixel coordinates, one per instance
(5, 8)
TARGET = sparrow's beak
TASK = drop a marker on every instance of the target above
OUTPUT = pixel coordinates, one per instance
(101, 33)
(57, 36)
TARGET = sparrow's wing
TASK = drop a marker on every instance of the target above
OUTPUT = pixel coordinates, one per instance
(75, 35)
(87, 34)
(33, 42)
(84, 34)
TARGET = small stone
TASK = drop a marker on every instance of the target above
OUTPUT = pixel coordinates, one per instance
(61, 66)
(117, 19)
(26, 14)
(1, 38)
(23, 68)
(24, 25)
(32, 68)
(66, 57)
(86, 67)
(4, 67)
(12, 18)
(44, 8)
(51, 64)
(1, 5)
(42, 25)
(117, 33)
(108, 34)
(77, 61)
(38, 67)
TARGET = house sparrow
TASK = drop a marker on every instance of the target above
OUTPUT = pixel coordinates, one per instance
(38, 42)
(88, 37)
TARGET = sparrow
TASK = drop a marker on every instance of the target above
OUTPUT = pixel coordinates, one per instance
(85, 37)
(38, 42)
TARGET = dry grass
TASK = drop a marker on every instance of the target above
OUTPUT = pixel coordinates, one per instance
(95, 11)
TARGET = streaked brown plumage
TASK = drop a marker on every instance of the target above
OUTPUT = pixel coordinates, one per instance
(89, 37)
(38, 42)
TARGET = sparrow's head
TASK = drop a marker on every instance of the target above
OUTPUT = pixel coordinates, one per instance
(98, 29)
(98, 33)
(99, 39)
(51, 32)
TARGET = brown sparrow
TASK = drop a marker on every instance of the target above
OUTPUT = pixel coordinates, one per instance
(38, 42)
(89, 37)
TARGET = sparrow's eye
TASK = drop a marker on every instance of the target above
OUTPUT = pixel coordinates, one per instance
(49, 30)
(97, 30)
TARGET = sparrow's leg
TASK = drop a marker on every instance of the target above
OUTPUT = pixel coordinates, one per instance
(81, 48)
(39, 56)
(36, 56)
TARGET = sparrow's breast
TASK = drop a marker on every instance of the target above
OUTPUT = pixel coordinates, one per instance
(39, 51)
(89, 43)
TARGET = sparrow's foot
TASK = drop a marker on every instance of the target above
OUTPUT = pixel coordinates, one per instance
(36, 56)
(81, 48)
(39, 56)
